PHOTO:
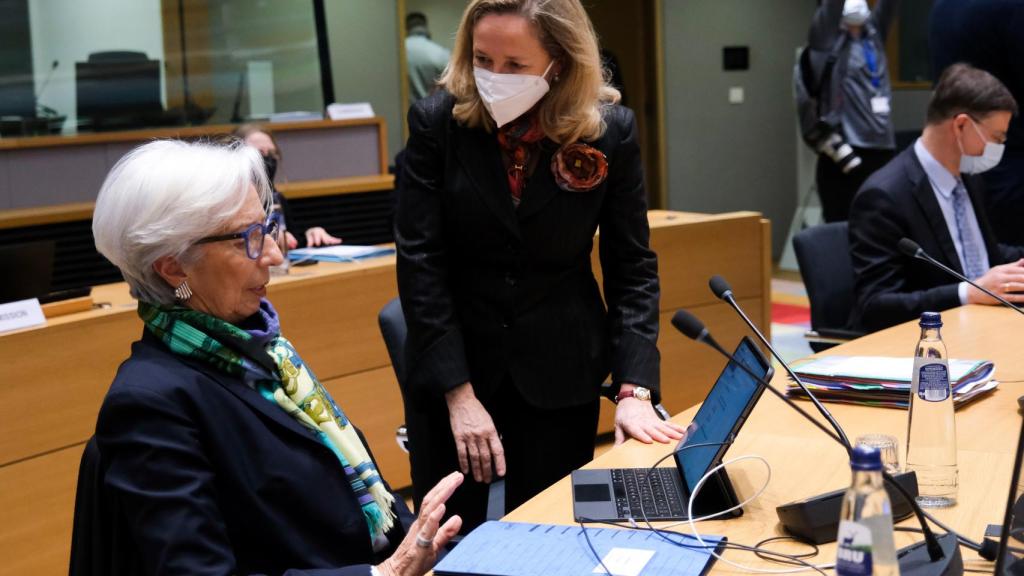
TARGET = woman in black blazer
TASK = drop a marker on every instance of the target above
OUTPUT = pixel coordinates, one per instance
(509, 171)
(220, 452)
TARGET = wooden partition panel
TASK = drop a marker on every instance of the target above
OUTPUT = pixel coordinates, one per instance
(47, 171)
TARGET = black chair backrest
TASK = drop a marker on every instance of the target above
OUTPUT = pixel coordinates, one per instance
(823, 253)
(34, 264)
(100, 545)
(118, 56)
(392, 327)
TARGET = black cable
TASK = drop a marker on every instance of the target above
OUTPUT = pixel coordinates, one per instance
(725, 544)
(785, 558)
(965, 542)
(814, 549)
(593, 550)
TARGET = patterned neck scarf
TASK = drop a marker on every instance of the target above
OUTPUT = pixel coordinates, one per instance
(269, 364)
(518, 140)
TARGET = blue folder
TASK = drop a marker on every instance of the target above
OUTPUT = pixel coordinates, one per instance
(522, 549)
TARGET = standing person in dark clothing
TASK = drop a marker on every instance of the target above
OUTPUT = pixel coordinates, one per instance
(989, 34)
(860, 92)
(509, 170)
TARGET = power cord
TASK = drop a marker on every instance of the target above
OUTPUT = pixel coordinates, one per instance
(724, 544)
(696, 533)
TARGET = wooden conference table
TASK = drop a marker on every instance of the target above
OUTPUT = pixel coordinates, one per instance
(57, 374)
(805, 462)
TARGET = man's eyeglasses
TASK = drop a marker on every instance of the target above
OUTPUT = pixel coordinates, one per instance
(253, 235)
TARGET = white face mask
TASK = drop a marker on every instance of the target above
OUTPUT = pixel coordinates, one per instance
(508, 96)
(988, 160)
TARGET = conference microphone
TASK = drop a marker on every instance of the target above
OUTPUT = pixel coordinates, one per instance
(42, 90)
(723, 291)
(911, 248)
(936, 556)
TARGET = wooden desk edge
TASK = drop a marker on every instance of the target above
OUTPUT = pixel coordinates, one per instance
(43, 215)
(29, 142)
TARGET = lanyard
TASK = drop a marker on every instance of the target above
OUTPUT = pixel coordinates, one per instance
(871, 59)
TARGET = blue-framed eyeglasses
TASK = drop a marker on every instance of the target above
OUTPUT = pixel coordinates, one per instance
(254, 237)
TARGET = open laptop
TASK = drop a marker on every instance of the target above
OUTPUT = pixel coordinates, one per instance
(1010, 559)
(628, 493)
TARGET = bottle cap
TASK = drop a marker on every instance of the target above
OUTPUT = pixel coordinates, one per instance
(866, 458)
(931, 320)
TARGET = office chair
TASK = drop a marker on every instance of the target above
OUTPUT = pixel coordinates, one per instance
(119, 56)
(394, 331)
(823, 254)
(392, 328)
(100, 546)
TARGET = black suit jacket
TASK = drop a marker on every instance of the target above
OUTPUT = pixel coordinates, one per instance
(208, 477)
(896, 202)
(493, 292)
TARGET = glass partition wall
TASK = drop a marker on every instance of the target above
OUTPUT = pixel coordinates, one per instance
(73, 66)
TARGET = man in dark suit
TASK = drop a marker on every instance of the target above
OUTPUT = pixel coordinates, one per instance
(931, 193)
(987, 34)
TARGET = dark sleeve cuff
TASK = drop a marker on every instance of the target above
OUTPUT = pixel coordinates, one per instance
(442, 366)
(636, 360)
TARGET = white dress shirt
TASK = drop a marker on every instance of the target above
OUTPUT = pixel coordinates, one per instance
(943, 183)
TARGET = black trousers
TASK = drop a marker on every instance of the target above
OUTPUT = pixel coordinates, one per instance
(836, 190)
(541, 446)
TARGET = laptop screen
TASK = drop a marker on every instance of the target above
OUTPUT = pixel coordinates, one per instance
(720, 416)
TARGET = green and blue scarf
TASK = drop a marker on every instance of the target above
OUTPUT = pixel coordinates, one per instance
(281, 377)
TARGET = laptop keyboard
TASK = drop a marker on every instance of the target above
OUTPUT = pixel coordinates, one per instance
(657, 495)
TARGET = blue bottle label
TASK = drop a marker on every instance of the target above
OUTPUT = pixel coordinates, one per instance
(933, 382)
(853, 555)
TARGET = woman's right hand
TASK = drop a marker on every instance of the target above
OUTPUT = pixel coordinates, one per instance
(425, 538)
(476, 438)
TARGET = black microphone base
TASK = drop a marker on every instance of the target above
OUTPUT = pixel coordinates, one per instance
(817, 518)
(914, 559)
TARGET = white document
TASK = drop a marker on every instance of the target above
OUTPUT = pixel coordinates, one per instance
(880, 105)
(21, 314)
(625, 561)
(353, 111)
(875, 367)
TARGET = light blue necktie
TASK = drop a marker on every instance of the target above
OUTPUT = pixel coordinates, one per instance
(972, 252)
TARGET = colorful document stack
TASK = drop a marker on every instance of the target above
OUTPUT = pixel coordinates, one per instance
(884, 381)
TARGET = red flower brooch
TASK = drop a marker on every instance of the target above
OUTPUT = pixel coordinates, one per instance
(579, 168)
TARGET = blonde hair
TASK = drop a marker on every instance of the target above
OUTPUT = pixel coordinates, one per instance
(571, 111)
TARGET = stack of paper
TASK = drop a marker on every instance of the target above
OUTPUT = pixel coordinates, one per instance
(884, 381)
(339, 253)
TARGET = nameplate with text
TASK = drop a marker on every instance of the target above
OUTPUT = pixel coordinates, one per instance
(21, 314)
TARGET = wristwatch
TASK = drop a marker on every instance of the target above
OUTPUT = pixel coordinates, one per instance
(639, 392)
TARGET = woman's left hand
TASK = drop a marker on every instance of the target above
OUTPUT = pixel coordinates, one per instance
(637, 419)
(427, 536)
(317, 236)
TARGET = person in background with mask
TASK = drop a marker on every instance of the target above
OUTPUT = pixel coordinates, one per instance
(932, 194)
(262, 139)
(509, 170)
(860, 94)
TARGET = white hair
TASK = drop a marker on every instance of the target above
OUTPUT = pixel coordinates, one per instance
(162, 197)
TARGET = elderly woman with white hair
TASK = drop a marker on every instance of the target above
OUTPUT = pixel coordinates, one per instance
(221, 451)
